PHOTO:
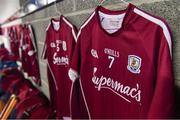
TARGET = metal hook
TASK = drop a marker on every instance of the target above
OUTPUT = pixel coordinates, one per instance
(125, 2)
(102, 1)
(55, 5)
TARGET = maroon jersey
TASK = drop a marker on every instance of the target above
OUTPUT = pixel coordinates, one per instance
(123, 62)
(29, 56)
(58, 49)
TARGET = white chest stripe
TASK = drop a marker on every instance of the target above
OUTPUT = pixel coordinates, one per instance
(160, 23)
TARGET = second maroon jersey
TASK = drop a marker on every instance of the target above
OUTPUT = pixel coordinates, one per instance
(123, 62)
(58, 49)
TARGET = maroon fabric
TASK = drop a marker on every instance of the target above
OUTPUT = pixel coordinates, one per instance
(6, 56)
(128, 73)
(29, 98)
(10, 78)
(34, 103)
(3, 52)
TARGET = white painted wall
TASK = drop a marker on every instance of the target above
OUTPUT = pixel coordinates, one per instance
(8, 8)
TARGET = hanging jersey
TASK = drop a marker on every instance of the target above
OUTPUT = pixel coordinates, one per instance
(29, 56)
(58, 49)
(123, 62)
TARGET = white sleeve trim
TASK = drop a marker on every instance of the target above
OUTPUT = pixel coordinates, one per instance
(44, 51)
(160, 23)
(49, 24)
(31, 52)
(24, 47)
(73, 75)
(67, 118)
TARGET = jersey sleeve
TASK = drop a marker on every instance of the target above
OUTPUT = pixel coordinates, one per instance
(44, 52)
(162, 102)
(73, 40)
(74, 75)
(78, 108)
(75, 63)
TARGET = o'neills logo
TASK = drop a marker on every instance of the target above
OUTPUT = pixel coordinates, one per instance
(119, 89)
(60, 60)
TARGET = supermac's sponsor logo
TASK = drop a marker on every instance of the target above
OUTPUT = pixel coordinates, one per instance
(60, 60)
(123, 91)
(134, 64)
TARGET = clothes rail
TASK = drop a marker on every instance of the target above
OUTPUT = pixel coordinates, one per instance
(79, 12)
(56, 16)
(12, 23)
(41, 8)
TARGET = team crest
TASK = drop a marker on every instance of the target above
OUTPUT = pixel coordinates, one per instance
(134, 64)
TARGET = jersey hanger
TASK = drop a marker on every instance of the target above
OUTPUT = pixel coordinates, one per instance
(56, 9)
(102, 1)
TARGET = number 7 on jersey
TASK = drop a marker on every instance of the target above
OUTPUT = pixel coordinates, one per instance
(112, 60)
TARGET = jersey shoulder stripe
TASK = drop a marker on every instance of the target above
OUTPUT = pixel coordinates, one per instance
(85, 23)
(49, 24)
(158, 22)
(67, 22)
(70, 25)
(44, 51)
